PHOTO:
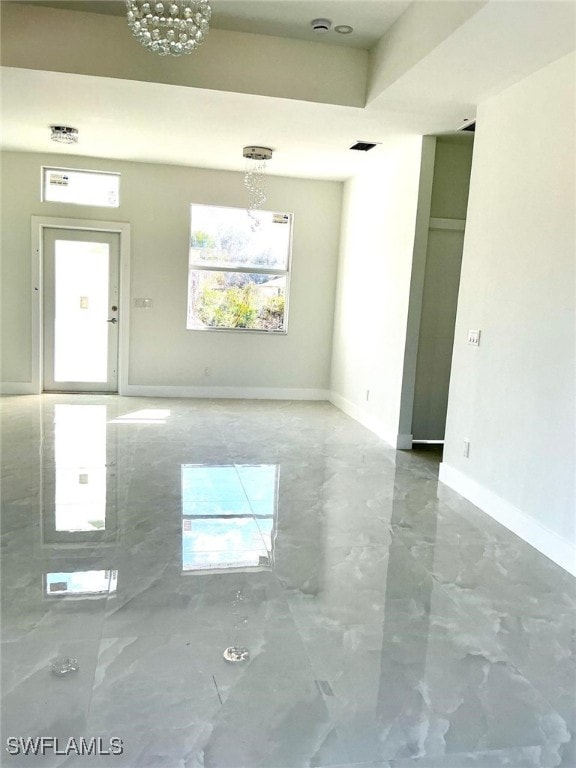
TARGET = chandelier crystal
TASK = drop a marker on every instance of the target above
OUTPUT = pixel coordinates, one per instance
(169, 28)
(255, 180)
(64, 134)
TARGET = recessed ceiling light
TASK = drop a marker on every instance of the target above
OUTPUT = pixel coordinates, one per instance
(321, 25)
(64, 134)
(344, 29)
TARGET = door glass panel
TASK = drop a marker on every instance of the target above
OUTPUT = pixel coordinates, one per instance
(81, 279)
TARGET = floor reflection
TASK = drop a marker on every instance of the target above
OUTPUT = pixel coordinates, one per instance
(80, 458)
(389, 623)
(79, 478)
(81, 584)
(228, 516)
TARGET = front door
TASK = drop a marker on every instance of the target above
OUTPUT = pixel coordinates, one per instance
(81, 311)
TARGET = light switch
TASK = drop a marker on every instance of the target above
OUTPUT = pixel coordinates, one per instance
(474, 338)
(83, 302)
(143, 303)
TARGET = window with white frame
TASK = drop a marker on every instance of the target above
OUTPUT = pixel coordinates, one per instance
(238, 276)
(65, 185)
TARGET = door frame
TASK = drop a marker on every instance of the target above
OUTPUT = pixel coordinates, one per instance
(39, 224)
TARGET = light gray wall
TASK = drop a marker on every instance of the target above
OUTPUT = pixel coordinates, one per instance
(55, 40)
(378, 231)
(453, 160)
(419, 30)
(155, 200)
(514, 396)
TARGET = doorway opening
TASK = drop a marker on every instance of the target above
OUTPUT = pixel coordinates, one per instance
(80, 274)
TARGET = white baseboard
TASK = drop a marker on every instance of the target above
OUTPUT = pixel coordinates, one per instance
(404, 442)
(370, 422)
(559, 550)
(231, 393)
(18, 388)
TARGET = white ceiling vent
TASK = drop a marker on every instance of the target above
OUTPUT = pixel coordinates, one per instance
(468, 125)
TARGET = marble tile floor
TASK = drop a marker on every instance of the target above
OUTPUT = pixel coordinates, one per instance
(389, 622)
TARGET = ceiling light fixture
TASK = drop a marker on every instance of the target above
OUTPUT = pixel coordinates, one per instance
(171, 28)
(321, 25)
(64, 134)
(255, 179)
(344, 29)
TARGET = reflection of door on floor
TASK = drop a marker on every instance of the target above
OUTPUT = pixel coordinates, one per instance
(80, 310)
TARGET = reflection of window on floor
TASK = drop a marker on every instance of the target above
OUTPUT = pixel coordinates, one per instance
(228, 516)
(81, 584)
(145, 416)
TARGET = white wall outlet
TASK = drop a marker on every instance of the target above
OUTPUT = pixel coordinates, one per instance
(466, 449)
(474, 337)
(207, 371)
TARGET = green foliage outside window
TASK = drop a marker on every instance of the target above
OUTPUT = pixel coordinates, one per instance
(238, 276)
(221, 305)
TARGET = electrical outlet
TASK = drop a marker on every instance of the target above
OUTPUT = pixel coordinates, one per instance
(466, 450)
(207, 372)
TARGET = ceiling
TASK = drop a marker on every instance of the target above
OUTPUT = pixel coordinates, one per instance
(280, 18)
(190, 126)
(148, 121)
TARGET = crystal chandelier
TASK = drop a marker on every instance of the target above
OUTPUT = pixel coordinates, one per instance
(169, 28)
(64, 134)
(255, 179)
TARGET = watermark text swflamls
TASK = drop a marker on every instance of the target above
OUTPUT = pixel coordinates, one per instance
(52, 745)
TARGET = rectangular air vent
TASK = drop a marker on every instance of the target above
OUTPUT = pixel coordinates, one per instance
(364, 146)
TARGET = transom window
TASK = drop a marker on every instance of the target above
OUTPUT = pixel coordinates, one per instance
(238, 275)
(97, 188)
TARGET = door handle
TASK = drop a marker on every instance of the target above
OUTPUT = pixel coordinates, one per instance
(112, 320)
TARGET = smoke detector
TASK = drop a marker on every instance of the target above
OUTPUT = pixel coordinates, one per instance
(321, 25)
(64, 134)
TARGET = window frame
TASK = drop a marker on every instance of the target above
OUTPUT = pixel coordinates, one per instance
(43, 198)
(273, 272)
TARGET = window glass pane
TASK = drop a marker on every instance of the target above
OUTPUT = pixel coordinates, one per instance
(81, 187)
(248, 300)
(224, 237)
